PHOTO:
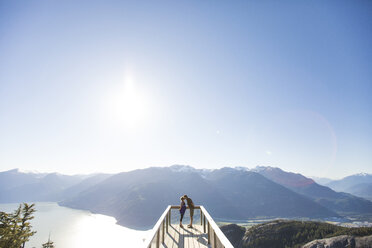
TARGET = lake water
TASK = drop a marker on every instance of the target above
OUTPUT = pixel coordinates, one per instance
(70, 228)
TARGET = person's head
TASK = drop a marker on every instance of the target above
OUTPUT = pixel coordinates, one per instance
(185, 196)
(182, 198)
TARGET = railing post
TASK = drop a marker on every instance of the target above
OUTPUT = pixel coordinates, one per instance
(167, 221)
(204, 223)
(163, 231)
(201, 219)
(214, 240)
(158, 239)
(209, 234)
(170, 216)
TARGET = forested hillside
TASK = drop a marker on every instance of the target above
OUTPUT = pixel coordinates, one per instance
(281, 233)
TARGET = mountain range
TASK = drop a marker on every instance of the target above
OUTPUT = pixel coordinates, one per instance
(137, 198)
(17, 186)
(358, 184)
(343, 203)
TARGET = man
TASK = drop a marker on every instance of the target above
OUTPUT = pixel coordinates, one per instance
(191, 205)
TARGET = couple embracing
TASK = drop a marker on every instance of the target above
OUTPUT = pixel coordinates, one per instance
(191, 206)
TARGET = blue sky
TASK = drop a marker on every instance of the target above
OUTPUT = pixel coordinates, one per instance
(110, 86)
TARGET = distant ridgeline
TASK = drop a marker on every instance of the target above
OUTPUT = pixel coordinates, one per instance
(279, 234)
(137, 198)
(359, 185)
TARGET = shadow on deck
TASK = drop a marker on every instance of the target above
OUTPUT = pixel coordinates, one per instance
(185, 237)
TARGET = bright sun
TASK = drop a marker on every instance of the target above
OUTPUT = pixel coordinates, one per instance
(128, 105)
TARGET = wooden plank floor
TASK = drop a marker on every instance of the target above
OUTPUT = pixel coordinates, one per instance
(185, 237)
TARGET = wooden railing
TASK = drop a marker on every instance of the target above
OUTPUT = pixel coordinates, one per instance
(216, 238)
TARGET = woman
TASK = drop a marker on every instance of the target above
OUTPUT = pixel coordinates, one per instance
(191, 206)
(182, 209)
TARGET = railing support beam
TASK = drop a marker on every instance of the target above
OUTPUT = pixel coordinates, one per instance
(214, 240)
(158, 239)
(209, 234)
(167, 222)
(163, 231)
(204, 223)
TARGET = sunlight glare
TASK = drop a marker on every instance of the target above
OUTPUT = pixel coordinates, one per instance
(128, 105)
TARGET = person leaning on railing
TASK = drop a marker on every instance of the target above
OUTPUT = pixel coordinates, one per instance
(191, 206)
(182, 210)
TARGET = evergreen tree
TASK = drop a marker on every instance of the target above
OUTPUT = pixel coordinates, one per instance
(48, 244)
(15, 228)
(25, 226)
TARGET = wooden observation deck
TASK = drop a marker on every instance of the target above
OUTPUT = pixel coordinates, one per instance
(168, 234)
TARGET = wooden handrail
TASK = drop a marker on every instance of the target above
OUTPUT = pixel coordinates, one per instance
(224, 241)
(205, 220)
(156, 227)
(178, 206)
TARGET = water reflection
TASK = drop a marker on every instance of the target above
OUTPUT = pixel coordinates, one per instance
(70, 228)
